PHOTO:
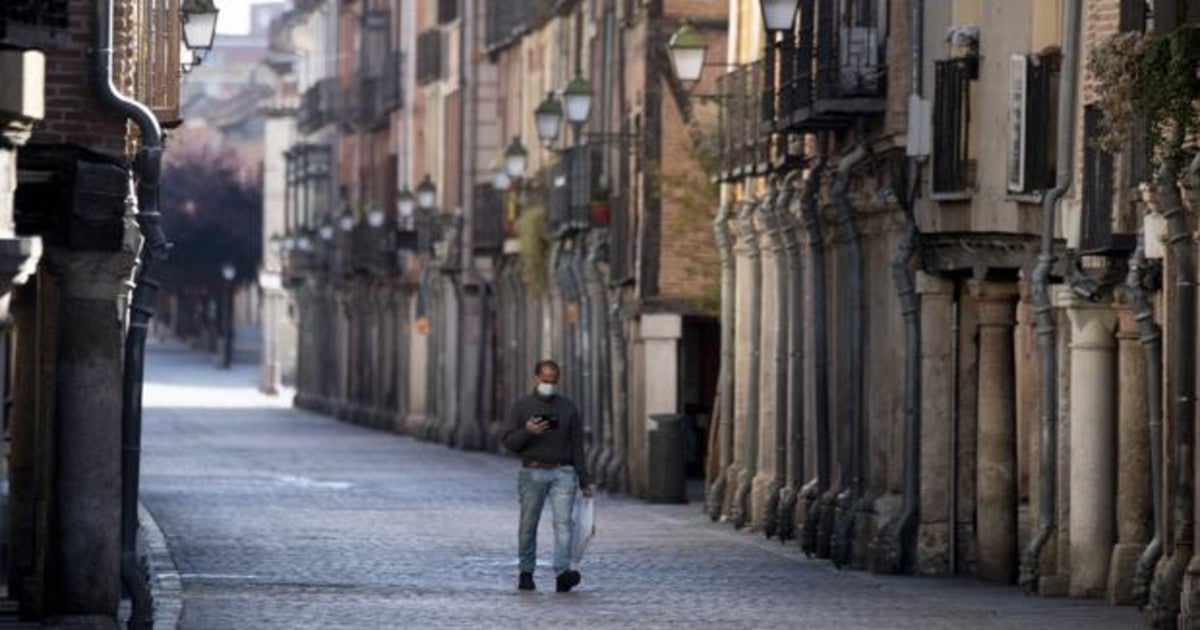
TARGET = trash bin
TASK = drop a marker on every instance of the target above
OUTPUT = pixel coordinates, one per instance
(668, 480)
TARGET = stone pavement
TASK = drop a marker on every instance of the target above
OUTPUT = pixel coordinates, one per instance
(279, 518)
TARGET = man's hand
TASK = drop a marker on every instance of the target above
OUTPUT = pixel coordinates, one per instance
(587, 492)
(537, 425)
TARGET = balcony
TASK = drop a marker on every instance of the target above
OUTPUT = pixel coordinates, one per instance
(742, 148)
(319, 106)
(508, 20)
(831, 69)
(570, 190)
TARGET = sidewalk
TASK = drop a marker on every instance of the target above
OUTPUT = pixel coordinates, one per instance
(279, 518)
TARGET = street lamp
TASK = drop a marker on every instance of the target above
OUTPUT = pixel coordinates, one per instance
(688, 49)
(199, 23)
(515, 157)
(346, 221)
(228, 272)
(289, 243)
(501, 181)
(578, 99)
(304, 243)
(326, 231)
(405, 203)
(426, 193)
(375, 216)
(778, 15)
(548, 118)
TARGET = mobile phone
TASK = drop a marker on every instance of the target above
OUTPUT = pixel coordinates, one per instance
(551, 421)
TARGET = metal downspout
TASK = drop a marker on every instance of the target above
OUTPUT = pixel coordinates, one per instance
(1151, 339)
(739, 512)
(716, 494)
(896, 542)
(1165, 604)
(600, 365)
(615, 472)
(148, 168)
(1047, 344)
(777, 217)
(785, 526)
(817, 505)
(583, 350)
(852, 468)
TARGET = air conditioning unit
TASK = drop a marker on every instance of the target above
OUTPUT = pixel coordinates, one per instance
(859, 70)
(1018, 121)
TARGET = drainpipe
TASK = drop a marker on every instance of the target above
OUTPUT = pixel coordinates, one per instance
(1047, 344)
(739, 512)
(615, 472)
(776, 218)
(786, 523)
(817, 503)
(852, 467)
(896, 542)
(583, 350)
(1151, 338)
(141, 308)
(716, 494)
(599, 360)
(1165, 592)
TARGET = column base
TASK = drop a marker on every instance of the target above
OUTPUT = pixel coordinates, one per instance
(760, 491)
(1054, 585)
(1120, 572)
(933, 549)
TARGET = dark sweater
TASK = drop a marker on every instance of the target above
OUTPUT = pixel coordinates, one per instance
(563, 445)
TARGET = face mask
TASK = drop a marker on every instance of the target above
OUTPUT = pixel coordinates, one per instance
(545, 390)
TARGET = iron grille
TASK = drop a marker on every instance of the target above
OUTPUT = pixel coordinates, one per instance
(309, 177)
(319, 105)
(1098, 189)
(951, 117)
(487, 223)
(392, 82)
(34, 23)
(429, 56)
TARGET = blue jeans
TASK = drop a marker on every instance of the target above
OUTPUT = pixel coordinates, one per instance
(533, 486)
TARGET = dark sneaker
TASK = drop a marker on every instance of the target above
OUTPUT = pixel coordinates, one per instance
(525, 582)
(566, 581)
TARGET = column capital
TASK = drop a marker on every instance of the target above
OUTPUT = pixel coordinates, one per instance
(992, 291)
(929, 284)
(1092, 323)
(997, 302)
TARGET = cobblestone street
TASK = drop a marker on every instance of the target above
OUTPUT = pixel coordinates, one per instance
(278, 518)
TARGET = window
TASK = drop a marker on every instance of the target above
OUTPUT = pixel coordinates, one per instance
(952, 168)
(1097, 189)
(447, 11)
(1032, 105)
(429, 56)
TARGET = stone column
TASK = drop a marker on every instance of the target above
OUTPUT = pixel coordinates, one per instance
(1093, 441)
(1134, 501)
(660, 350)
(765, 489)
(996, 433)
(937, 430)
(87, 541)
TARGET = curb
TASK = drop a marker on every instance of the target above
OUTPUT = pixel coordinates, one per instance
(166, 587)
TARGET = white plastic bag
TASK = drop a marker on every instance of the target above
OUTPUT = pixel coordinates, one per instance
(584, 512)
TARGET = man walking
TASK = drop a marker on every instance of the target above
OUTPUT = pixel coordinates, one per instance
(546, 432)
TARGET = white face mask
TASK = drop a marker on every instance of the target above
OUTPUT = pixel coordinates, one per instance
(545, 390)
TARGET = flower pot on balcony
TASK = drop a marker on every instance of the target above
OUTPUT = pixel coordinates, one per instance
(599, 213)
